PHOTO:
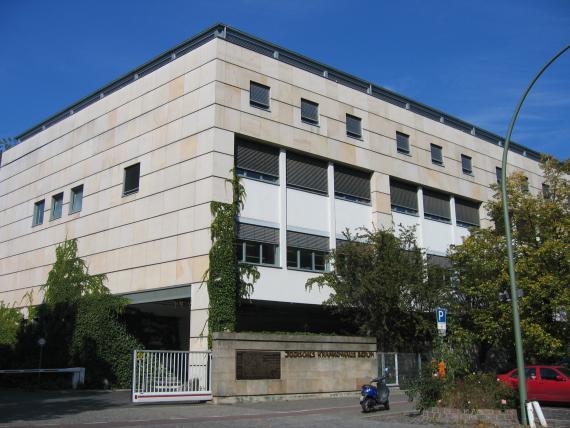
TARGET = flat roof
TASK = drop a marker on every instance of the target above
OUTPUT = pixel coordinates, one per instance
(263, 47)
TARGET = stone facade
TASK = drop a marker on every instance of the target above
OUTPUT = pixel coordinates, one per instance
(309, 364)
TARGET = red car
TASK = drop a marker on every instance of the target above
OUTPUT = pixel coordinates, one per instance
(543, 383)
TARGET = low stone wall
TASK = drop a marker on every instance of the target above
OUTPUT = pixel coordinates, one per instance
(251, 364)
(490, 417)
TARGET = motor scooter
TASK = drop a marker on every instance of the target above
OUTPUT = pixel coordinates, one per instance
(374, 396)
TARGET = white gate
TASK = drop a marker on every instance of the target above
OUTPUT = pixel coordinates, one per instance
(171, 376)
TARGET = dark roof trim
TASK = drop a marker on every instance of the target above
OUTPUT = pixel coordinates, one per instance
(281, 54)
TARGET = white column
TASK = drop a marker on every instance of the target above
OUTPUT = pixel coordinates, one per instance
(283, 208)
(332, 209)
(420, 230)
(453, 218)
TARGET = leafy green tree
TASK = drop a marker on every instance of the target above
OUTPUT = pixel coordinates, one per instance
(10, 318)
(541, 244)
(381, 279)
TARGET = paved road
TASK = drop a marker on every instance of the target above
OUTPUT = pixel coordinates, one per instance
(113, 409)
(87, 409)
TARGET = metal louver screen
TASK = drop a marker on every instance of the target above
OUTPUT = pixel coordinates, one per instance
(404, 195)
(259, 94)
(309, 111)
(436, 204)
(436, 154)
(467, 211)
(352, 182)
(252, 232)
(466, 164)
(257, 157)
(353, 126)
(402, 142)
(441, 261)
(306, 241)
(307, 173)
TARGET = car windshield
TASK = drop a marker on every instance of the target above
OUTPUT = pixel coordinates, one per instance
(565, 371)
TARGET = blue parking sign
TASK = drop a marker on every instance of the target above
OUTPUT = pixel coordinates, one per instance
(441, 314)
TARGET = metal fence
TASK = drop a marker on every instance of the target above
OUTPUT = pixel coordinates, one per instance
(171, 376)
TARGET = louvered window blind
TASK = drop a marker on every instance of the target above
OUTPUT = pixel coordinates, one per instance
(436, 205)
(309, 112)
(402, 143)
(259, 95)
(351, 183)
(306, 241)
(255, 157)
(466, 212)
(466, 164)
(306, 173)
(436, 154)
(255, 233)
(403, 197)
(353, 126)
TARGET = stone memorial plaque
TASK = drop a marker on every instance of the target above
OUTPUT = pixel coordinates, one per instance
(252, 365)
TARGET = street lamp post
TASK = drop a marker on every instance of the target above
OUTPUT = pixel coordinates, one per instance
(513, 280)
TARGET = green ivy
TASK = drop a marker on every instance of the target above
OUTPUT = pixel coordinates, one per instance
(229, 282)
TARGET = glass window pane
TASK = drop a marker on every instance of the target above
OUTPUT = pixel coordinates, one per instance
(292, 257)
(548, 374)
(306, 259)
(320, 261)
(132, 176)
(38, 212)
(252, 252)
(268, 253)
(56, 206)
(76, 199)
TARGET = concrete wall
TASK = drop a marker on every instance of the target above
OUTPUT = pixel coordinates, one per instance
(309, 364)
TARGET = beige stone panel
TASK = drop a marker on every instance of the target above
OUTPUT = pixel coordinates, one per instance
(198, 326)
(381, 202)
(382, 220)
(22, 297)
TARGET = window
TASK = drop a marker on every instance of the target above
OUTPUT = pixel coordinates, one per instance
(466, 212)
(76, 201)
(131, 181)
(403, 143)
(499, 174)
(309, 112)
(257, 244)
(257, 161)
(466, 164)
(403, 197)
(307, 173)
(39, 212)
(525, 187)
(56, 206)
(307, 252)
(528, 372)
(436, 206)
(436, 154)
(546, 191)
(353, 126)
(351, 184)
(259, 95)
(548, 374)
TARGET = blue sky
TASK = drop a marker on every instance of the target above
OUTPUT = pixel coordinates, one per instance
(471, 59)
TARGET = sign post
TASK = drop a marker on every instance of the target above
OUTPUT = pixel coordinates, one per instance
(441, 317)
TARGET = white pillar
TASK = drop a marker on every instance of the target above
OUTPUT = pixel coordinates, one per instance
(332, 210)
(453, 218)
(283, 208)
(420, 230)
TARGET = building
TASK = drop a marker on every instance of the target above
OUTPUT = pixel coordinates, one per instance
(131, 169)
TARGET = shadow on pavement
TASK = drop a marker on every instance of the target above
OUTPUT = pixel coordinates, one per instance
(18, 405)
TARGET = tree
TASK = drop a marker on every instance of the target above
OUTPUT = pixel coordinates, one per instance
(381, 279)
(541, 245)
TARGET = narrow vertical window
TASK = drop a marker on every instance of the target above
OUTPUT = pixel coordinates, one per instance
(131, 180)
(56, 206)
(499, 174)
(436, 154)
(546, 191)
(309, 112)
(76, 200)
(402, 143)
(259, 95)
(466, 164)
(39, 212)
(353, 126)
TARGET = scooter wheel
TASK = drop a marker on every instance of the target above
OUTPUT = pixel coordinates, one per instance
(367, 405)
